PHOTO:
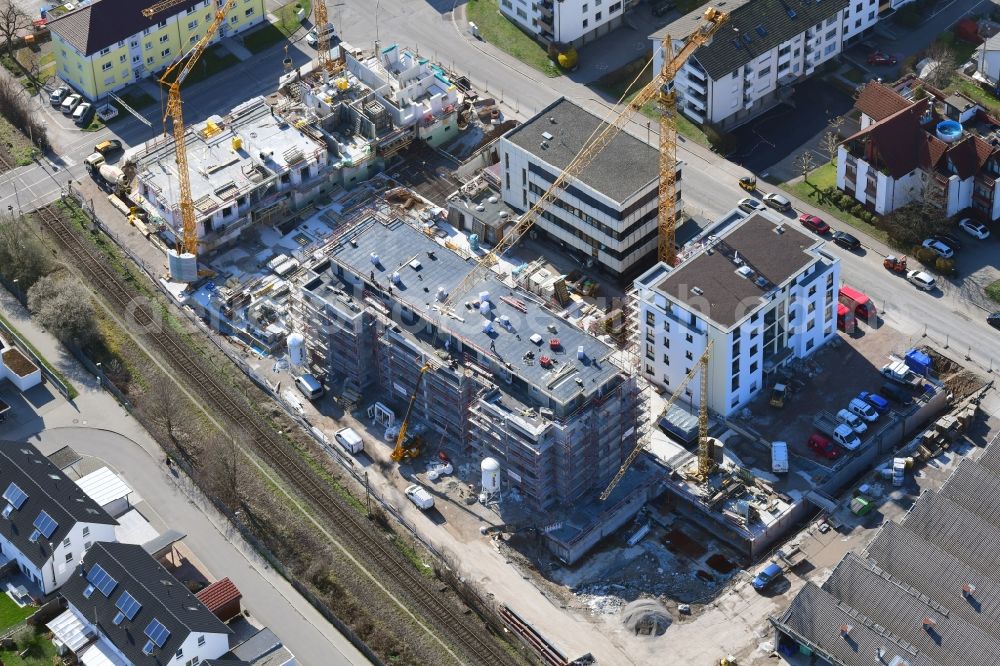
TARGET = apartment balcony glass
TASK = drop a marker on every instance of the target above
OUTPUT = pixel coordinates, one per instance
(696, 86)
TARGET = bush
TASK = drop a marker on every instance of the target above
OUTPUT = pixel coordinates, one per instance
(925, 255)
(15, 106)
(23, 257)
(944, 266)
(63, 306)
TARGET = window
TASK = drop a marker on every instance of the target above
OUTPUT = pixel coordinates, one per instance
(148, 45)
(87, 545)
(666, 327)
(753, 367)
(164, 53)
(105, 51)
(735, 385)
(753, 350)
(194, 661)
(164, 38)
(615, 7)
(764, 72)
(249, 12)
(585, 23)
(192, 24)
(689, 356)
(136, 59)
(584, 9)
(812, 290)
(649, 369)
(666, 360)
(179, 653)
(666, 342)
(234, 19)
(69, 557)
(201, 641)
(871, 15)
(66, 542)
(597, 16)
(507, 178)
(149, 60)
(106, 66)
(650, 320)
(162, 24)
(522, 14)
(122, 58)
(134, 43)
(689, 338)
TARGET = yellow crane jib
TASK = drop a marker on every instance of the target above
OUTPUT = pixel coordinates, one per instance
(601, 138)
(402, 451)
(172, 78)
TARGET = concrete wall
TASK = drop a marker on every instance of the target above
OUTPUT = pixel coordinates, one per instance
(25, 382)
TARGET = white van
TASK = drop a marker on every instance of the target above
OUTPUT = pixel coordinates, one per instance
(779, 457)
(349, 440)
(310, 386)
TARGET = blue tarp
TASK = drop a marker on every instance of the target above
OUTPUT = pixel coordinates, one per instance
(918, 361)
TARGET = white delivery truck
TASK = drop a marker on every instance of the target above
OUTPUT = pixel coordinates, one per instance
(779, 457)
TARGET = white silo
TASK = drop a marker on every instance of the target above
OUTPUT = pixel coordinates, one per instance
(491, 475)
(296, 349)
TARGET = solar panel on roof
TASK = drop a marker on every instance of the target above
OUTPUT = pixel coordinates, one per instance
(15, 495)
(157, 633)
(45, 524)
(102, 580)
(127, 607)
(762, 31)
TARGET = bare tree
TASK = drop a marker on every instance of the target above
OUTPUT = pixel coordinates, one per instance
(63, 306)
(23, 257)
(805, 163)
(13, 20)
(166, 405)
(943, 66)
(224, 467)
(829, 145)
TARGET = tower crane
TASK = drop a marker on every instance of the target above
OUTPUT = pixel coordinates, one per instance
(327, 64)
(704, 455)
(172, 78)
(401, 451)
(661, 88)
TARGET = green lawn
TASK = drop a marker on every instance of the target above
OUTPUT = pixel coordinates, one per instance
(17, 143)
(615, 84)
(38, 650)
(11, 613)
(973, 91)
(819, 179)
(271, 33)
(496, 29)
(993, 291)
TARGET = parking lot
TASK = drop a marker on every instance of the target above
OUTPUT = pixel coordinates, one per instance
(829, 380)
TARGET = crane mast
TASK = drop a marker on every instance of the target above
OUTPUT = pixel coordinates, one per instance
(401, 451)
(172, 78)
(661, 88)
(320, 18)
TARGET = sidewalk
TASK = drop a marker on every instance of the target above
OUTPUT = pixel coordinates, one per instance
(97, 425)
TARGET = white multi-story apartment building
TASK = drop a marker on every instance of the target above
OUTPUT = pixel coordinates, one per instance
(766, 47)
(609, 212)
(566, 21)
(763, 291)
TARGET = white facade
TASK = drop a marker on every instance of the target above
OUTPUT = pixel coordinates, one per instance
(792, 321)
(615, 234)
(754, 87)
(567, 21)
(988, 60)
(61, 564)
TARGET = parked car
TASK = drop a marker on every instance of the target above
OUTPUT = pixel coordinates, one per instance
(309, 386)
(974, 229)
(349, 440)
(852, 420)
(814, 224)
(948, 239)
(751, 205)
(896, 393)
(846, 240)
(881, 58)
(312, 38)
(861, 408)
(921, 280)
(939, 248)
(69, 104)
(419, 496)
(777, 201)
(766, 578)
(108, 147)
(660, 9)
(83, 113)
(875, 400)
(994, 320)
(823, 447)
(57, 96)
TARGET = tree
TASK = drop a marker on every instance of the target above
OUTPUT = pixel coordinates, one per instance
(829, 145)
(166, 405)
(805, 163)
(942, 66)
(63, 306)
(23, 257)
(224, 468)
(13, 20)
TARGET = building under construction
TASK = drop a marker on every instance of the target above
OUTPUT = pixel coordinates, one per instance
(508, 378)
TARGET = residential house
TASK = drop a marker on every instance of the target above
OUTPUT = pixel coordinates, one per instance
(988, 60)
(125, 607)
(608, 212)
(105, 45)
(911, 149)
(763, 292)
(47, 522)
(567, 21)
(766, 47)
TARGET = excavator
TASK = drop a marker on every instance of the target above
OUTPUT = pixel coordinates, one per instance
(407, 450)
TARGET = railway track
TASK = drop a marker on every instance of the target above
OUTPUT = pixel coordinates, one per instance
(350, 527)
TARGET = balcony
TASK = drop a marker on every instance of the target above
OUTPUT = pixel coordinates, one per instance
(546, 9)
(696, 86)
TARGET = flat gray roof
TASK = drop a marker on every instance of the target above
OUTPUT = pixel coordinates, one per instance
(626, 166)
(710, 284)
(398, 245)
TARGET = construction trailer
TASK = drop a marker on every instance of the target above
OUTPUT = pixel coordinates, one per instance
(511, 380)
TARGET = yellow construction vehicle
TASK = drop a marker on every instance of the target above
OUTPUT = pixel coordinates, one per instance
(412, 448)
(172, 78)
(705, 463)
(660, 89)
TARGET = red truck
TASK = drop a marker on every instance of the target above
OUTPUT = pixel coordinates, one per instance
(863, 306)
(845, 318)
